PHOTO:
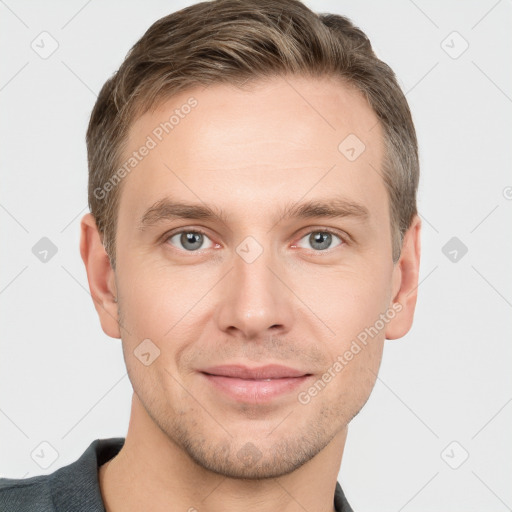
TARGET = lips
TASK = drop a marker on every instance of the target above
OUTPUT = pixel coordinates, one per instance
(254, 385)
(268, 372)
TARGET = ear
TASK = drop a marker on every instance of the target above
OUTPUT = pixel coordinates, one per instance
(405, 282)
(100, 275)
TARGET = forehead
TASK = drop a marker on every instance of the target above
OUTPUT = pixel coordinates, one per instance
(284, 137)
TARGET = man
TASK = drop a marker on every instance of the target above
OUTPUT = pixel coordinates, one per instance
(253, 240)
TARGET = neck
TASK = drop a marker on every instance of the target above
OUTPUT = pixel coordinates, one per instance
(151, 472)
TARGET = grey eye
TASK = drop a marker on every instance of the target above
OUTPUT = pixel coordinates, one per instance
(190, 240)
(320, 240)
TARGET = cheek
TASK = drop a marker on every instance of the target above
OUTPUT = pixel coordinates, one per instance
(357, 379)
(164, 306)
(345, 301)
(155, 299)
(350, 304)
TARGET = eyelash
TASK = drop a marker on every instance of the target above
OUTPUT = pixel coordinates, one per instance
(343, 238)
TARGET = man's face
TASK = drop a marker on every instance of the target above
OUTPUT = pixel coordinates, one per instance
(262, 285)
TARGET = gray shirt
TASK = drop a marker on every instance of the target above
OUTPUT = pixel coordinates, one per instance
(75, 487)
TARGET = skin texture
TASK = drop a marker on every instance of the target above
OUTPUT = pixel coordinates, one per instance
(252, 152)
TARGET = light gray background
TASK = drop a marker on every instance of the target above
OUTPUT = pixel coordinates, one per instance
(63, 381)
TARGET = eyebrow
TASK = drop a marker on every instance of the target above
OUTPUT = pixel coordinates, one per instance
(168, 209)
(331, 208)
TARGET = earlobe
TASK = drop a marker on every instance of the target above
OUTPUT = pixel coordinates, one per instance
(100, 276)
(405, 282)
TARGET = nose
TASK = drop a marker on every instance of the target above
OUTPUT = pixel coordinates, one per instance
(254, 301)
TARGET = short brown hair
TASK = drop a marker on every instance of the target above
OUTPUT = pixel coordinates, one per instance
(232, 41)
